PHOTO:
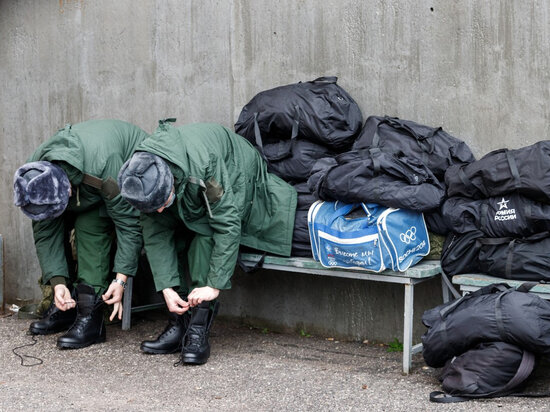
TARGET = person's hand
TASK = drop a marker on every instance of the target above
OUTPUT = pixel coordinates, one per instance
(113, 296)
(199, 295)
(62, 298)
(174, 301)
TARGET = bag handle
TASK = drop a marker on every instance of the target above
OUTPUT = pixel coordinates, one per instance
(293, 135)
(326, 79)
(525, 368)
(340, 211)
(425, 142)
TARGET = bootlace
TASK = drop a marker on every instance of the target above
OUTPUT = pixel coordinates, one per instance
(81, 321)
(191, 341)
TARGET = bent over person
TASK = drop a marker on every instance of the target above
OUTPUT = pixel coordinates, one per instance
(203, 185)
(70, 181)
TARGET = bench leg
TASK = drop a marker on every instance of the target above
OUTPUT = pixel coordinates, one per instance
(407, 328)
(445, 289)
(127, 304)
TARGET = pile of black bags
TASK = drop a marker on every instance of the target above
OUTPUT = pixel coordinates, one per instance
(486, 341)
(313, 132)
(292, 127)
(498, 209)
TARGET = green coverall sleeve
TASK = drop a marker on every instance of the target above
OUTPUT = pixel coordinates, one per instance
(159, 236)
(128, 234)
(127, 225)
(226, 224)
(48, 240)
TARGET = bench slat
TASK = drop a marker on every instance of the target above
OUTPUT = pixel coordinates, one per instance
(423, 269)
(479, 280)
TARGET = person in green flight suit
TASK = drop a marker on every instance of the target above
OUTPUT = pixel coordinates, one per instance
(70, 181)
(207, 187)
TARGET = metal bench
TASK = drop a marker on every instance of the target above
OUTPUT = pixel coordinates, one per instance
(423, 271)
(472, 282)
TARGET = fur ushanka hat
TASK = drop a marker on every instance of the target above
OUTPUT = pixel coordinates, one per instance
(145, 181)
(41, 189)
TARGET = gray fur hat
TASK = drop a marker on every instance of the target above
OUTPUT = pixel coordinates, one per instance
(41, 189)
(145, 181)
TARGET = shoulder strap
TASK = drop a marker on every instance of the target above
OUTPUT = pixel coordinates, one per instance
(93, 181)
(524, 370)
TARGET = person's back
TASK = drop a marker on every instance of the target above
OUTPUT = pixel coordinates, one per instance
(70, 181)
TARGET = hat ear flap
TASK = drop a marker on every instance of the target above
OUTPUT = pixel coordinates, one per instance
(20, 197)
(44, 190)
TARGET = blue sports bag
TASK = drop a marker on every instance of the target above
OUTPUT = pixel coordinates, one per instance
(366, 236)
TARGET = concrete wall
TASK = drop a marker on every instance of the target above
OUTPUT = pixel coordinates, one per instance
(479, 69)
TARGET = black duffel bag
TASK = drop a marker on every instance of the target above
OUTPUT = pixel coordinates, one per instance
(296, 166)
(492, 313)
(319, 110)
(431, 145)
(377, 177)
(516, 258)
(489, 370)
(508, 215)
(461, 253)
(525, 170)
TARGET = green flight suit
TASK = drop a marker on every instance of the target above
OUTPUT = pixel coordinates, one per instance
(224, 196)
(96, 148)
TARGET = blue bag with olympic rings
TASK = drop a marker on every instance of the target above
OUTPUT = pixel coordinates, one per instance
(366, 236)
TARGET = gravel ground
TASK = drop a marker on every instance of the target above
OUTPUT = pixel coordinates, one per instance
(249, 369)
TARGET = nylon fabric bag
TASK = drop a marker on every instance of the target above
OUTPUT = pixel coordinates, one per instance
(297, 165)
(318, 110)
(509, 215)
(490, 314)
(525, 171)
(516, 258)
(488, 370)
(366, 236)
(376, 177)
(430, 145)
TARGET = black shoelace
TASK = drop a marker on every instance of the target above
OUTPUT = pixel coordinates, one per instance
(23, 356)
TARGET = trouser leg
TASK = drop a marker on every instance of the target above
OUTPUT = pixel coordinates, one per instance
(94, 237)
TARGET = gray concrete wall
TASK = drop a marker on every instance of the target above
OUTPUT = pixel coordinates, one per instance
(479, 69)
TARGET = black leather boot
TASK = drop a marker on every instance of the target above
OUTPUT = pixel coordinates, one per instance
(195, 346)
(169, 341)
(53, 321)
(88, 327)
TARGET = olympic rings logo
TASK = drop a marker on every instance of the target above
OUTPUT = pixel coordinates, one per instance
(409, 235)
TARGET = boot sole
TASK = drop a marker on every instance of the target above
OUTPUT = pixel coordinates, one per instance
(193, 361)
(36, 331)
(67, 345)
(158, 351)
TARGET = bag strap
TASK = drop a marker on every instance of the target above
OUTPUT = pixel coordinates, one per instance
(293, 135)
(525, 368)
(251, 269)
(425, 142)
(513, 169)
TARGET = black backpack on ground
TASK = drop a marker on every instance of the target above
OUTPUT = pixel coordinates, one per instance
(431, 145)
(490, 314)
(525, 170)
(318, 110)
(382, 178)
(489, 370)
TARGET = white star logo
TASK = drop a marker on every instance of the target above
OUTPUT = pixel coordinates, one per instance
(503, 204)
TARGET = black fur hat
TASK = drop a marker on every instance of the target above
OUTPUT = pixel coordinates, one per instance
(41, 189)
(145, 181)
